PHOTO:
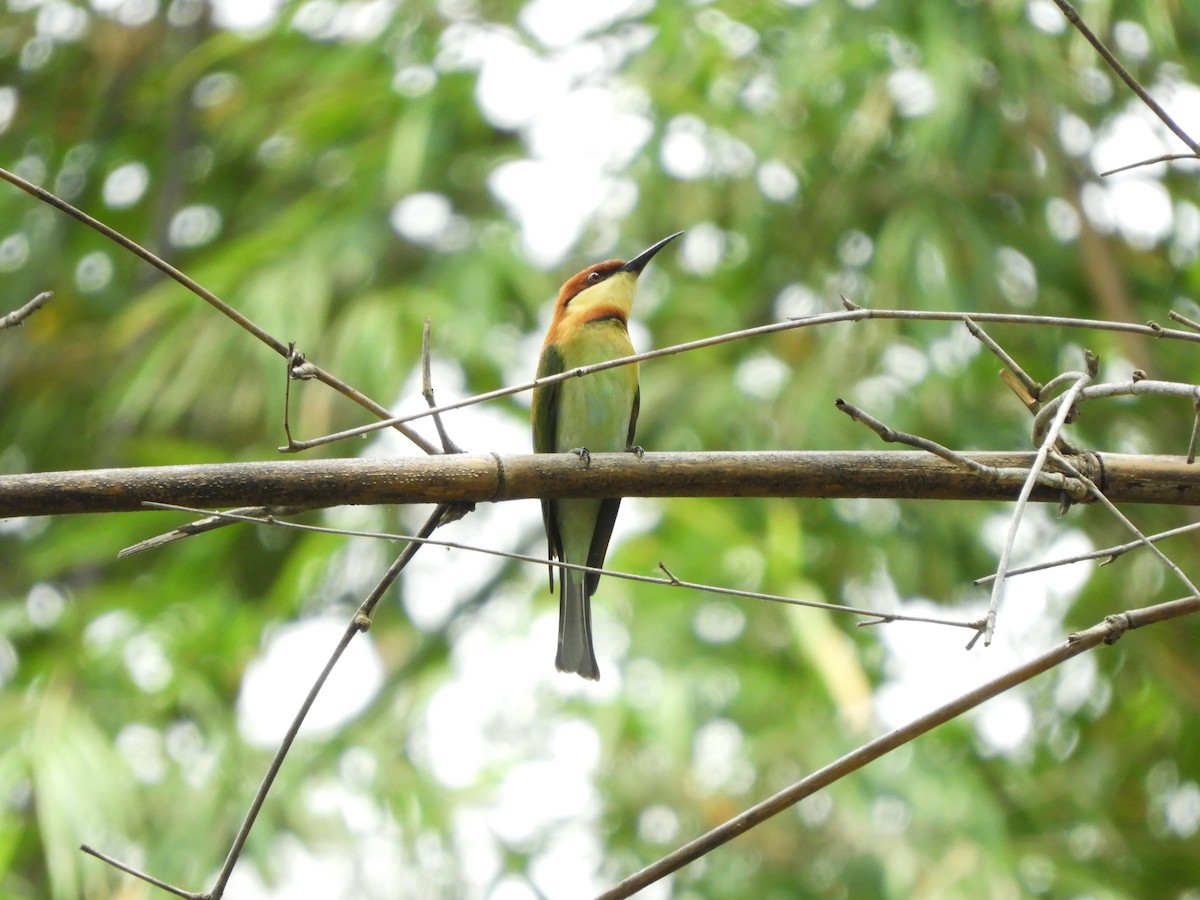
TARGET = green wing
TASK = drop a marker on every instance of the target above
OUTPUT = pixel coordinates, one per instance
(545, 402)
(608, 511)
(545, 430)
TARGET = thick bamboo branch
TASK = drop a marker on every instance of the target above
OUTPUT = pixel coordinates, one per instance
(467, 478)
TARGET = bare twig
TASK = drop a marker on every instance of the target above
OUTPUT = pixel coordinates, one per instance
(361, 621)
(855, 314)
(19, 315)
(1166, 157)
(137, 873)
(293, 362)
(1124, 520)
(211, 299)
(891, 435)
(1139, 387)
(1184, 320)
(1055, 480)
(1032, 389)
(1191, 453)
(448, 445)
(1122, 73)
(669, 581)
(1107, 555)
(1065, 408)
(210, 523)
(1106, 632)
(1048, 411)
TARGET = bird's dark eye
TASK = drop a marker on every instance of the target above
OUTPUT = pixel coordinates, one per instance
(595, 278)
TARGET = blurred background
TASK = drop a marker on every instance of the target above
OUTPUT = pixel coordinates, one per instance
(339, 171)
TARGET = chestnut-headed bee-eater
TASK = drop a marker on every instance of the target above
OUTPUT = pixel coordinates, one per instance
(596, 413)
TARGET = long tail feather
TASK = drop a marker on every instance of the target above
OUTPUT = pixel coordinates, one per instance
(575, 653)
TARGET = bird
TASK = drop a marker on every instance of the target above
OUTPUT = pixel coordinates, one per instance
(596, 413)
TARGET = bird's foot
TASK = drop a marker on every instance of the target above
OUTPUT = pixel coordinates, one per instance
(635, 450)
(584, 454)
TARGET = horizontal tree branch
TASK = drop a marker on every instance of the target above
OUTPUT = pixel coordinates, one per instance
(492, 477)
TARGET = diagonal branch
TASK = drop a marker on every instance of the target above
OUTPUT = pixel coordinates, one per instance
(360, 622)
(1106, 632)
(1113, 63)
(310, 370)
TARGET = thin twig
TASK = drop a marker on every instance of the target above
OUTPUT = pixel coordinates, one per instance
(292, 362)
(137, 873)
(211, 299)
(669, 581)
(1166, 157)
(1124, 520)
(1108, 555)
(19, 315)
(857, 314)
(1106, 632)
(1184, 320)
(1060, 419)
(1139, 387)
(360, 622)
(210, 523)
(1053, 480)
(1061, 380)
(1105, 54)
(1032, 388)
(1191, 454)
(448, 445)
(891, 435)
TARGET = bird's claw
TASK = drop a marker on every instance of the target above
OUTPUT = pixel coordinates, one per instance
(635, 450)
(584, 454)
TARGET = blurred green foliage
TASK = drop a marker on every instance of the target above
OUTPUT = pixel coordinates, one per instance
(929, 156)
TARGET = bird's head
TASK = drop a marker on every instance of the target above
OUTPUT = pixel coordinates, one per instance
(604, 290)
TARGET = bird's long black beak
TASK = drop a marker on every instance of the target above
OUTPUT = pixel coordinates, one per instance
(638, 263)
